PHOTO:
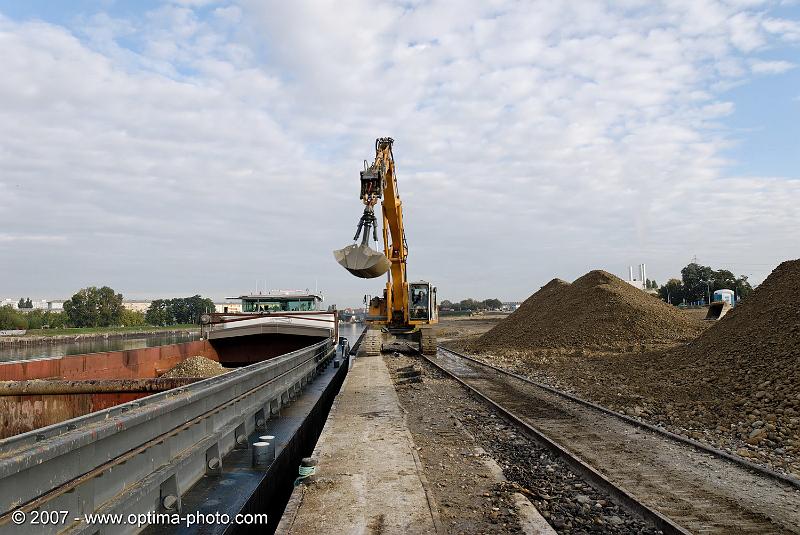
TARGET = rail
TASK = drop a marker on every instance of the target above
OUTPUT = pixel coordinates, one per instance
(142, 455)
(575, 463)
(749, 465)
(747, 502)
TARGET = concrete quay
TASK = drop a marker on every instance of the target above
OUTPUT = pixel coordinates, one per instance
(369, 477)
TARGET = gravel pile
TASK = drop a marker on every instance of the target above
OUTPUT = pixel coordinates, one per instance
(598, 312)
(196, 367)
(736, 386)
(751, 360)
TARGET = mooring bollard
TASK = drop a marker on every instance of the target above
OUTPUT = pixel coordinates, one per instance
(261, 454)
(306, 470)
(270, 439)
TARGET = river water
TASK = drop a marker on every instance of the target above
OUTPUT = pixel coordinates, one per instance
(93, 345)
(349, 330)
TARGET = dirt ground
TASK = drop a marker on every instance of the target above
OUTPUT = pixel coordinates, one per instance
(477, 464)
(470, 495)
(465, 327)
(632, 384)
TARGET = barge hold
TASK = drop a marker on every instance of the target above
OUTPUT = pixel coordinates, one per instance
(144, 456)
(106, 433)
(274, 325)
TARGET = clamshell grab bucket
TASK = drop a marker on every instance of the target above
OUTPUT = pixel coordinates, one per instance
(362, 261)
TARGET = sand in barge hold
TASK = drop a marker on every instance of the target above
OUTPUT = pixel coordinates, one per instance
(196, 367)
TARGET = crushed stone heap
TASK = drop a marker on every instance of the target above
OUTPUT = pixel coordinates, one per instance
(753, 355)
(196, 367)
(598, 311)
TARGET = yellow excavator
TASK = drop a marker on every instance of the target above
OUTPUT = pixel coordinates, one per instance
(407, 310)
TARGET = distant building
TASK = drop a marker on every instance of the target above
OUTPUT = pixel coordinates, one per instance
(138, 305)
(41, 304)
(511, 306)
(641, 282)
(228, 307)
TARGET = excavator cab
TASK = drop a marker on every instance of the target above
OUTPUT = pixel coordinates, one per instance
(422, 302)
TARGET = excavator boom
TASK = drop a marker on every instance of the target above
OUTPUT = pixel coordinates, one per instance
(404, 306)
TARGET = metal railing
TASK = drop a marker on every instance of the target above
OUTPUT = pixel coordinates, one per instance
(142, 455)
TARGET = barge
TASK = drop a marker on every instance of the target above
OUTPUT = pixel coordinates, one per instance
(105, 433)
(40, 392)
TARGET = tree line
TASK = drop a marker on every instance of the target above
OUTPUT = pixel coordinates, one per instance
(177, 311)
(102, 307)
(698, 283)
(472, 304)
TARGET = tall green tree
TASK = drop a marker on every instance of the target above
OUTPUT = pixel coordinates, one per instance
(493, 304)
(157, 313)
(742, 288)
(698, 281)
(672, 292)
(94, 307)
(179, 310)
(12, 319)
(469, 304)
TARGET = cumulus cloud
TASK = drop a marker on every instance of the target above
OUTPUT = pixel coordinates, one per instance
(772, 67)
(190, 150)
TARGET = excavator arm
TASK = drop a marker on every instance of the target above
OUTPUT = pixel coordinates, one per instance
(395, 249)
(379, 184)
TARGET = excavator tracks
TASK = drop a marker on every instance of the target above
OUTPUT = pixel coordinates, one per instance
(427, 342)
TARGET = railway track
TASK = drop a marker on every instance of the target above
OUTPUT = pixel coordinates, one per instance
(670, 482)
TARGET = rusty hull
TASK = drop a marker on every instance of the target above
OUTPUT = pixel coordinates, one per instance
(26, 412)
(80, 384)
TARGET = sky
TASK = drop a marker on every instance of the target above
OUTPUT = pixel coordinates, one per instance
(213, 147)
